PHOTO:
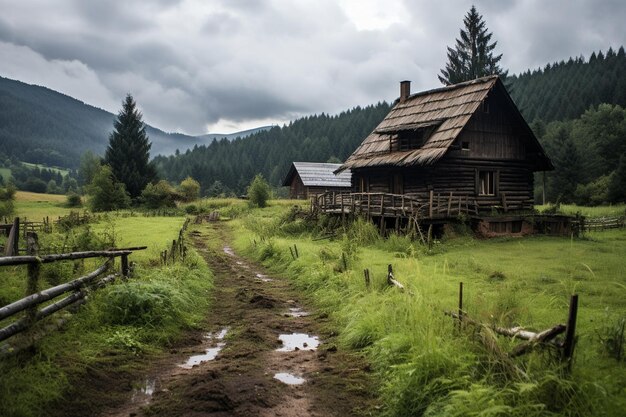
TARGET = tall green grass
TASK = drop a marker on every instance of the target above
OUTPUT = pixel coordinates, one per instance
(425, 365)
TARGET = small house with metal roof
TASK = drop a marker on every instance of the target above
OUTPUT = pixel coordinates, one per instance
(307, 179)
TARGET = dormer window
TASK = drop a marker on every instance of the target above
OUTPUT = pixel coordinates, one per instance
(411, 139)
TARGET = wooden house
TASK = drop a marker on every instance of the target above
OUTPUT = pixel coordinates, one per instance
(463, 147)
(308, 179)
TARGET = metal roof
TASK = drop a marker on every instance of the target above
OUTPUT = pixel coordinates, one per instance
(316, 174)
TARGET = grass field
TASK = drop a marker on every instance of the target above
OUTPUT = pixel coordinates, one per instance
(155, 232)
(598, 211)
(423, 367)
(35, 206)
(62, 171)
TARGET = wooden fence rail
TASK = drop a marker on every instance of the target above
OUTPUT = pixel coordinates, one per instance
(76, 288)
(533, 339)
(435, 205)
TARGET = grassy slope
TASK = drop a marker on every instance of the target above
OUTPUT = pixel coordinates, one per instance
(35, 206)
(510, 281)
(598, 211)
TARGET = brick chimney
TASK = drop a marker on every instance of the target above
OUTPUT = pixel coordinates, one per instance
(405, 90)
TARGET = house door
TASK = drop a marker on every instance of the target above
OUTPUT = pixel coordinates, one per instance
(397, 184)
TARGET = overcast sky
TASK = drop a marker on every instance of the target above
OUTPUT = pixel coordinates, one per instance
(198, 66)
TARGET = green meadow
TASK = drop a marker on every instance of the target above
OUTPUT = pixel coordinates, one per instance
(424, 364)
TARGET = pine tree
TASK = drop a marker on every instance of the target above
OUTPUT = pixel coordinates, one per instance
(472, 56)
(128, 152)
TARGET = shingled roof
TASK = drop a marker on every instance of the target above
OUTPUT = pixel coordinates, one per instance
(443, 112)
(316, 174)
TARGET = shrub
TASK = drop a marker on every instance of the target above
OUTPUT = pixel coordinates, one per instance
(106, 194)
(73, 200)
(191, 209)
(159, 195)
(189, 189)
(259, 191)
(141, 304)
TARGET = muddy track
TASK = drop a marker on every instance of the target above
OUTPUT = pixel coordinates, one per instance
(235, 365)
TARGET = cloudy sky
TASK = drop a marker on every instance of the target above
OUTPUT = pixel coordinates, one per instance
(196, 66)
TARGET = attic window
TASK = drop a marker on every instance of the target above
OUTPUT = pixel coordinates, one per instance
(465, 146)
(411, 139)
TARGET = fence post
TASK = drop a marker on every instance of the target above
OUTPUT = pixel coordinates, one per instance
(12, 248)
(460, 304)
(32, 248)
(570, 332)
(125, 269)
(366, 274)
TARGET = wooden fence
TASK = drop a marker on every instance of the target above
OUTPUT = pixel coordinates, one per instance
(77, 288)
(178, 249)
(600, 223)
(532, 340)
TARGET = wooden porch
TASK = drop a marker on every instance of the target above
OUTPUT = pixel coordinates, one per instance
(435, 206)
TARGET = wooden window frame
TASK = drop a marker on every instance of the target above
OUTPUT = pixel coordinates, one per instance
(487, 182)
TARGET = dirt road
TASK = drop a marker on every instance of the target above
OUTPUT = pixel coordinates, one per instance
(265, 352)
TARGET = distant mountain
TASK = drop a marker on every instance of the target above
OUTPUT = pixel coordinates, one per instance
(232, 136)
(42, 126)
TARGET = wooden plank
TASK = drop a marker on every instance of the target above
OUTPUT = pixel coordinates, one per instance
(12, 244)
(23, 260)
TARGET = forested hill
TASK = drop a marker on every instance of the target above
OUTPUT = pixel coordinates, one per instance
(40, 125)
(564, 90)
(224, 167)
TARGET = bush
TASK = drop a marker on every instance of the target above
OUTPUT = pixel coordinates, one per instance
(159, 195)
(73, 200)
(142, 304)
(106, 194)
(259, 191)
(189, 189)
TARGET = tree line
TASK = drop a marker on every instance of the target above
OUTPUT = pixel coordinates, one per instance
(226, 168)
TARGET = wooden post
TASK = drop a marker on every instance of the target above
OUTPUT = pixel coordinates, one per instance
(12, 245)
(292, 255)
(369, 202)
(460, 304)
(389, 274)
(366, 274)
(125, 269)
(504, 205)
(295, 248)
(449, 203)
(430, 204)
(32, 248)
(570, 332)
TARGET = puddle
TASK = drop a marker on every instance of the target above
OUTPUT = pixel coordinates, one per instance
(297, 312)
(143, 394)
(209, 353)
(298, 341)
(229, 251)
(263, 278)
(289, 379)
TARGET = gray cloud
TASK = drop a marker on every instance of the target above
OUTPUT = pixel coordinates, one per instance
(195, 63)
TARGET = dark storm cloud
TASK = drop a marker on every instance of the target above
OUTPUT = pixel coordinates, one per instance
(197, 63)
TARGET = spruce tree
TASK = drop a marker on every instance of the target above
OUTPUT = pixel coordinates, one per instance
(472, 56)
(128, 152)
